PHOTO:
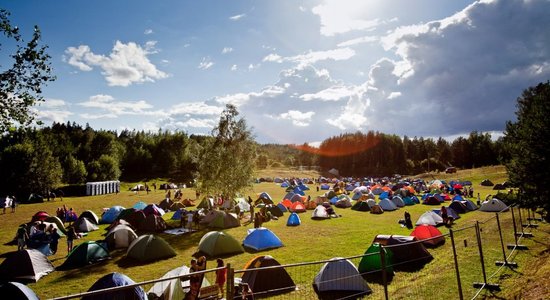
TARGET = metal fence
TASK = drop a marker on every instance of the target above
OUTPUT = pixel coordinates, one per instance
(469, 267)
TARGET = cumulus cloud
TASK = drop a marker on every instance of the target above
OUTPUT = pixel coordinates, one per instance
(205, 63)
(360, 40)
(341, 16)
(125, 65)
(298, 118)
(148, 31)
(234, 68)
(52, 110)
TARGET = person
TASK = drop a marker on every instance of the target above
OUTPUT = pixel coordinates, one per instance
(194, 281)
(146, 188)
(13, 204)
(444, 215)
(246, 293)
(7, 203)
(154, 186)
(220, 275)
(190, 216)
(54, 240)
(250, 202)
(22, 237)
(408, 221)
(478, 200)
(71, 235)
(238, 211)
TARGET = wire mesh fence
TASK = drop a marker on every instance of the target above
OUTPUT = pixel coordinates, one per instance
(472, 260)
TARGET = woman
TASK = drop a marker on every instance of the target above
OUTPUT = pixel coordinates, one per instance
(220, 275)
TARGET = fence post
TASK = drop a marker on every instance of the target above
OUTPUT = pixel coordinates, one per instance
(230, 282)
(384, 273)
(460, 296)
(505, 262)
(516, 234)
(484, 285)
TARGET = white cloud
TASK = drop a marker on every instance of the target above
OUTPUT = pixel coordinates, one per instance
(333, 93)
(341, 16)
(52, 110)
(148, 31)
(252, 67)
(237, 17)
(297, 118)
(53, 103)
(226, 50)
(234, 68)
(205, 63)
(108, 107)
(125, 65)
(361, 40)
(313, 56)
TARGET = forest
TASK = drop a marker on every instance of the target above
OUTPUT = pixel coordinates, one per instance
(37, 160)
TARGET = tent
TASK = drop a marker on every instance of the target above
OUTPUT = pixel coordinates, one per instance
(243, 205)
(149, 247)
(113, 280)
(179, 205)
(16, 290)
(263, 280)
(320, 213)
(339, 278)
(293, 220)
(139, 205)
(376, 209)
(136, 218)
(25, 266)
(451, 213)
(153, 223)
(282, 207)
(178, 214)
(153, 209)
(225, 220)
(138, 187)
(493, 205)
(408, 201)
(84, 225)
(408, 253)
(297, 197)
(120, 236)
(111, 214)
(297, 207)
(361, 206)
(387, 205)
(275, 210)
(57, 221)
(431, 200)
(470, 204)
(487, 182)
(371, 262)
(39, 216)
(429, 218)
(217, 243)
(90, 215)
(458, 207)
(84, 254)
(206, 203)
(165, 204)
(125, 213)
(344, 202)
(325, 186)
(173, 289)
(429, 235)
(259, 239)
(398, 201)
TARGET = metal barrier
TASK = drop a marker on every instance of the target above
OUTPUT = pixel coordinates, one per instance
(470, 267)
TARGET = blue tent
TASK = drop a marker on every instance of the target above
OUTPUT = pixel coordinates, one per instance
(457, 198)
(284, 184)
(110, 215)
(333, 200)
(408, 201)
(282, 207)
(178, 214)
(357, 196)
(113, 280)
(16, 290)
(297, 190)
(384, 195)
(415, 199)
(261, 238)
(325, 186)
(265, 196)
(140, 205)
(293, 220)
(289, 195)
(303, 187)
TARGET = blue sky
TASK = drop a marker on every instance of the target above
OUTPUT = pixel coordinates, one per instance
(298, 71)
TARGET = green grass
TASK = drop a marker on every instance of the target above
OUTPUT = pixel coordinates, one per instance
(312, 241)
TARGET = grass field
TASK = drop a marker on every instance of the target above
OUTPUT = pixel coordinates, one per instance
(312, 241)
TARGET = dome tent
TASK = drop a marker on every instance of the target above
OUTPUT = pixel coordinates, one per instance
(16, 290)
(259, 239)
(110, 215)
(120, 236)
(149, 247)
(217, 243)
(113, 280)
(429, 235)
(25, 266)
(371, 263)
(267, 280)
(338, 278)
(493, 205)
(293, 220)
(84, 254)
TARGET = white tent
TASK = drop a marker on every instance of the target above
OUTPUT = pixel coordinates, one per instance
(120, 236)
(493, 205)
(429, 218)
(319, 213)
(85, 225)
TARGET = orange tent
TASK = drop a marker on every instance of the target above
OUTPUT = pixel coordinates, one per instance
(297, 207)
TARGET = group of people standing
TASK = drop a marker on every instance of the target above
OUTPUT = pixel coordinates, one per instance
(9, 202)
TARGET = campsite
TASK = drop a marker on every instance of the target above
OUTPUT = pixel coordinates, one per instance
(345, 236)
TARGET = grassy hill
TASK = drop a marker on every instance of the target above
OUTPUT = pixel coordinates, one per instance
(347, 236)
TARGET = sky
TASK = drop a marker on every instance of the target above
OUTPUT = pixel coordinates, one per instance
(297, 71)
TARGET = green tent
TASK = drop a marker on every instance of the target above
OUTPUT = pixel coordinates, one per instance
(217, 243)
(225, 220)
(372, 262)
(85, 254)
(150, 248)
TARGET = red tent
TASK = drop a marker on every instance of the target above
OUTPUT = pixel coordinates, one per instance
(40, 216)
(297, 207)
(429, 235)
